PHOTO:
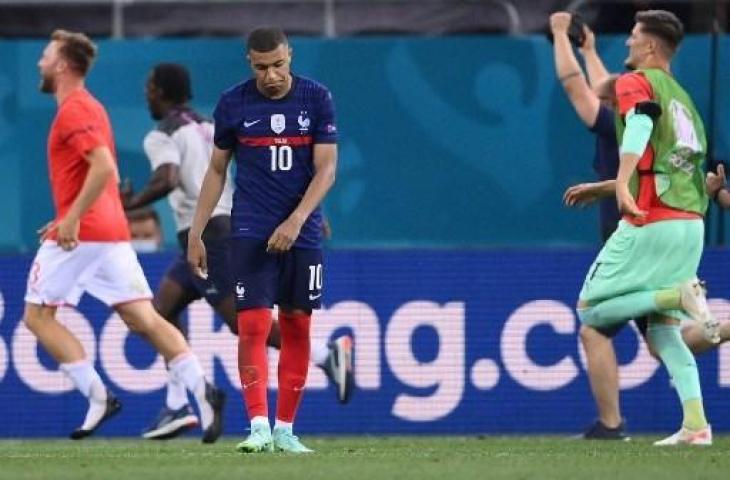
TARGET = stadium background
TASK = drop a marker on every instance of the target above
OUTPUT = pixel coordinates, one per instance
(452, 259)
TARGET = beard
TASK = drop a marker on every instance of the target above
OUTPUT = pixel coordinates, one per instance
(48, 84)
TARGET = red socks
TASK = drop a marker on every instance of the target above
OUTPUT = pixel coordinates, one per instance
(253, 366)
(253, 328)
(293, 363)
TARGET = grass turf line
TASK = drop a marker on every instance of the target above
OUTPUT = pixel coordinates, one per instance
(367, 458)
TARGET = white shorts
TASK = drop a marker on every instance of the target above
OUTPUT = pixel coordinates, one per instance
(109, 271)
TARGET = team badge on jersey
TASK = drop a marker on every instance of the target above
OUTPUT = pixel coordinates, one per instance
(304, 122)
(278, 123)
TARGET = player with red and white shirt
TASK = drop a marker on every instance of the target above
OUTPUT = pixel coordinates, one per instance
(86, 248)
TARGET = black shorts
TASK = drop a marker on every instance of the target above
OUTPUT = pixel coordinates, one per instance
(292, 279)
(612, 330)
(219, 283)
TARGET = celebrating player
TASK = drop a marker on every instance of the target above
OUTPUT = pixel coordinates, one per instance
(649, 265)
(594, 102)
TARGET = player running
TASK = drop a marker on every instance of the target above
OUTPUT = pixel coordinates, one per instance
(649, 265)
(595, 103)
(87, 247)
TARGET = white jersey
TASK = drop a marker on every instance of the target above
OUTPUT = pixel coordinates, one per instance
(185, 139)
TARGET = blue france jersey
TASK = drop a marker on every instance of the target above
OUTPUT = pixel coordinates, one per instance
(273, 143)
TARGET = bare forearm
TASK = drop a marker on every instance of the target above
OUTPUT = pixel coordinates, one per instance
(584, 100)
(94, 184)
(723, 198)
(315, 193)
(626, 168)
(566, 65)
(210, 194)
(156, 189)
(597, 72)
(211, 189)
(606, 188)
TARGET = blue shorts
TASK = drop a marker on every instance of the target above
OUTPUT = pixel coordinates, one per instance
(292, 279)
(219, 283)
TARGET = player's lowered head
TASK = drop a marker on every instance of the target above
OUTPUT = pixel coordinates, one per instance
(654, 39)
(167, 87)
(269, 54)
(65, 62)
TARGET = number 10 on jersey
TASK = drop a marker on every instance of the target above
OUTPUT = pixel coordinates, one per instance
(281, 157)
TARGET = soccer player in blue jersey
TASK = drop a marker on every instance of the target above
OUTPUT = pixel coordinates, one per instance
(280, 128)
(179, 149)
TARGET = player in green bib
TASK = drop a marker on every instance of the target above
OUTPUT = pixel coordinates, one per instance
(649, 265)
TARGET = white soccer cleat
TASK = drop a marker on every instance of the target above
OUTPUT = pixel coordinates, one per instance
(694, 302)
(686, 436)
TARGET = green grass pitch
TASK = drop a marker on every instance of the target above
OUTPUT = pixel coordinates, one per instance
(368, 458)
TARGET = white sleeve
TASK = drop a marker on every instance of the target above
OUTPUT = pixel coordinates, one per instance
(160, 149)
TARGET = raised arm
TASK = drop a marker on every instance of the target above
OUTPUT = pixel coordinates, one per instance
(584, 100)
(597, 72)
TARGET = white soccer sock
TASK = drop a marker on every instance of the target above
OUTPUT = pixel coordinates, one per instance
(97, 406)
(177, 396)
(319, 352)
(187, 370)
(88, 382)
(281, 424)
(263, 421)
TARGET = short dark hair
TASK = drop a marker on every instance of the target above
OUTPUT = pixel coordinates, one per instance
(143, 213)
(76, 48)
(662, 24)
(266, 39)
(174, 81)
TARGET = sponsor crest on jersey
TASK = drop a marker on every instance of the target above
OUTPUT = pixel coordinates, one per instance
(278, 123)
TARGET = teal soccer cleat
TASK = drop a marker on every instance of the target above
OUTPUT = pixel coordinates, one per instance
(286, 441)
(258, 441)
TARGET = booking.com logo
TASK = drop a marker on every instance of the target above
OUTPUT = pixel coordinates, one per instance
(445, 376)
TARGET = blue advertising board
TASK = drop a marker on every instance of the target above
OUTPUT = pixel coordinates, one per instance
(447, 341)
